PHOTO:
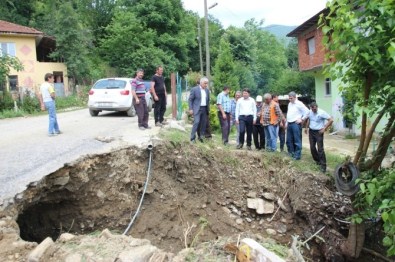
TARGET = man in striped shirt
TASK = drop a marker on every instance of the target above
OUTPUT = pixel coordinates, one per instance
(139, 102)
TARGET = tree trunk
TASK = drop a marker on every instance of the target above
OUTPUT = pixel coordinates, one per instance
(389, 133)
(366, 93)
(369, 136)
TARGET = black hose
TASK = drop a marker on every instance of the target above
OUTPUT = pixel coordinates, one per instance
(149, 148)
(345, 176)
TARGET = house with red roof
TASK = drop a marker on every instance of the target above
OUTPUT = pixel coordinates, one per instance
(32, 48)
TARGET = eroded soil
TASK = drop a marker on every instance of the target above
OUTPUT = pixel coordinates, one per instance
(191, 187)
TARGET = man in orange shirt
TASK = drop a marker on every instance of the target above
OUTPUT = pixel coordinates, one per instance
(270, 118)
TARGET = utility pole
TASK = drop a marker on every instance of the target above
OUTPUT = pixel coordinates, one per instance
(200, 47)
(208, 74)
(207, 40)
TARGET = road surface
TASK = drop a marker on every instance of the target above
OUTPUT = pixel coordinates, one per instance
(27, 154)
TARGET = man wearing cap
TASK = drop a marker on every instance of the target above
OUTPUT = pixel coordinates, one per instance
(139, 102)
(270, 118)
(316, 125)
(224, 108)
(297, 113)
(258, 132)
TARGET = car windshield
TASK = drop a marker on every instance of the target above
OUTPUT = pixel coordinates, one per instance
(110, 84)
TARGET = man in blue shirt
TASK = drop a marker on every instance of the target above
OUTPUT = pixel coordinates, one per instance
(224, 110)
(317, 123)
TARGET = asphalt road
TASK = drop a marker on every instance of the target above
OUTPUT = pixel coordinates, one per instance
(27, 154)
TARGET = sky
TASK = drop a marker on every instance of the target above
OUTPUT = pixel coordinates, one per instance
(236, 12)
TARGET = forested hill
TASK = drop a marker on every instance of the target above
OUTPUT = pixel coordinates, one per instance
(280, 31)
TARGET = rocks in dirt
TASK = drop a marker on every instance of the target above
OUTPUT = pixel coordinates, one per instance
(281, 228)
(261, 206)
(251, 194)
(226, 210)
(239, 221)
(100, 194)
(73, 258)
(65, 237)
(137, 254)
(174, 124)
(269, 196)
(38, 252)
(106, 233)
(61, 181)
(271, 232)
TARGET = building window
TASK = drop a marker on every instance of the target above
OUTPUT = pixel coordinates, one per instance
(311, 46)
(13, 82)
(8, 49)
(328, 87)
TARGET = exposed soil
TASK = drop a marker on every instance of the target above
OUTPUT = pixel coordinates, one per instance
(190, 185)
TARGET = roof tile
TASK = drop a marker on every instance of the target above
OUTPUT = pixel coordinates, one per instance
(8, 27)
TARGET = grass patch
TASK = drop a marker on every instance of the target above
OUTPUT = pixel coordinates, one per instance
(10, 113)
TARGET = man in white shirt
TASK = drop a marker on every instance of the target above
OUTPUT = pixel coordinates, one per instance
(296, 115)
(317, 123)
(245, 118)
(47, 101)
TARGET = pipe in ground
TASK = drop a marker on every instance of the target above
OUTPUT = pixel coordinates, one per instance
(149, 148)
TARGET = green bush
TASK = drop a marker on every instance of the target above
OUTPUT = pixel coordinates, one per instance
(69, 102)
(375, 199)
(6, 101)
(30, 104)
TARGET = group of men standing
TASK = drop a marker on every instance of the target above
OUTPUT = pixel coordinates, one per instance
(263, 120)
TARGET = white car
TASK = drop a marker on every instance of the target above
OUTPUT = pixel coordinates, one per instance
(115, 94)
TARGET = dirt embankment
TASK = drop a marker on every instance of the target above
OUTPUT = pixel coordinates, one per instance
(192, 187)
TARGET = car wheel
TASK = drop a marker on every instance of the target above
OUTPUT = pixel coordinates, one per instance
(94, 112)
(131, 112)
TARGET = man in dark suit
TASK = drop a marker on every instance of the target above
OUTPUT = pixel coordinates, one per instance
(199, 102)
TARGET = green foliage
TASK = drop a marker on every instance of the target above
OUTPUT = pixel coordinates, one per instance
(360, 38)
(293, 80)
(376, 198)
(30, 103)
(213, 115)
(224, 69)
(6, 101)
(6, 64)
(17, 11)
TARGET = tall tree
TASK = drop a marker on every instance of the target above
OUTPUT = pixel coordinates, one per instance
(360, 38)
(224, 69)
(16, 11)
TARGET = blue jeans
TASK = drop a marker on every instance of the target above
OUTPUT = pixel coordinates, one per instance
(294, 140)
(53, 122)
(271, 137)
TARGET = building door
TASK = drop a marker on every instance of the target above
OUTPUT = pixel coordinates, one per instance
(59, 84)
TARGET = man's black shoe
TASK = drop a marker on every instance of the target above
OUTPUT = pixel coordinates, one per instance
(239, 146)
(248, 147)
(201, 140)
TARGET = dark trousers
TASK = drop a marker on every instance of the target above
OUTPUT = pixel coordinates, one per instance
(258, 133)
(281, 135)
(317, 148)
(160, 108)
(294, 140)
(208, 128)
(225, 126)
(141, 111)
(245, 124)
(199, 122)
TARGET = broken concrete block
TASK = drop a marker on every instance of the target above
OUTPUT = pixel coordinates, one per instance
(161, 256)
(65, 237)
(259, 253)
(139, 242)
(264, 207)
(38, 252)
(137, 254)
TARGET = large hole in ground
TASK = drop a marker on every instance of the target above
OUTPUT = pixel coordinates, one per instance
(189, 186)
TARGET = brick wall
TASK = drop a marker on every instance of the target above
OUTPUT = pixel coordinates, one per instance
(307, 61)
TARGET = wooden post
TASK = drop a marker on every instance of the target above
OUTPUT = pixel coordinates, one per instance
(173, 95)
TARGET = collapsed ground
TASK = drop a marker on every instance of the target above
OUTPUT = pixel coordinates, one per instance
(193, 187)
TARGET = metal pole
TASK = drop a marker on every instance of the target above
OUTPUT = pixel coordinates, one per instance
(173, 95)
(207, 40)
(200, 46)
